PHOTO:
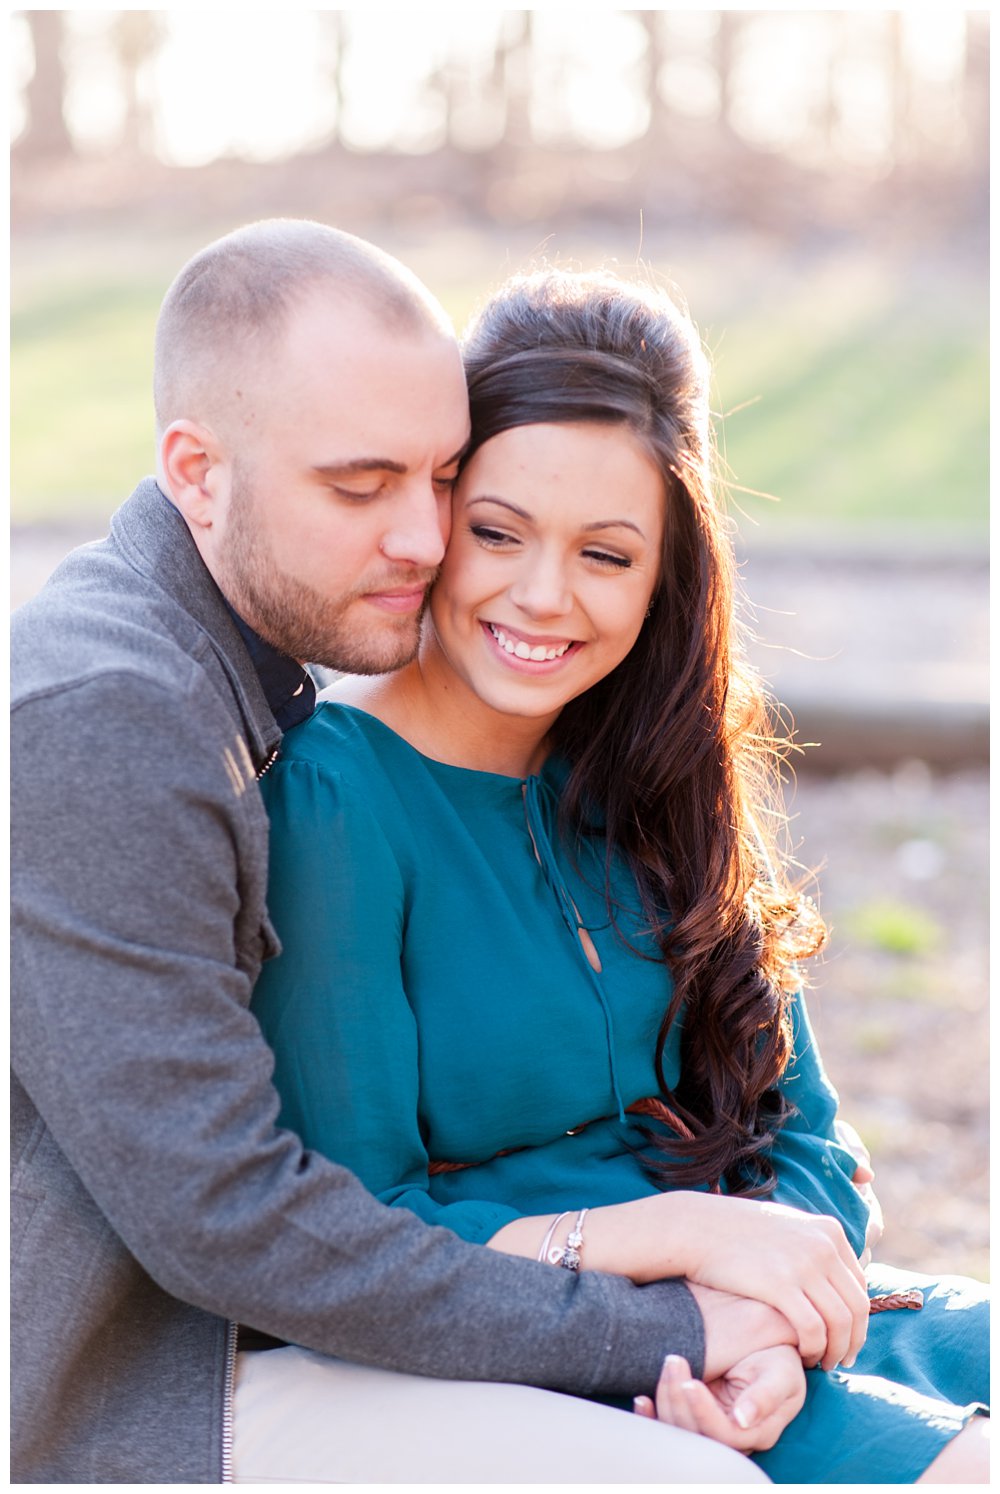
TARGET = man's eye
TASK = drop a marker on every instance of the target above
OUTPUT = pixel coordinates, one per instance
(445, 484)
(357, 495)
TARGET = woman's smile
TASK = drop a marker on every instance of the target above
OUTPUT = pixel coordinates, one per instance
(553, 560)
(519, 648)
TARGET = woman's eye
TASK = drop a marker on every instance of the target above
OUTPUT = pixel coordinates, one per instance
(605, 557)
(488, 536)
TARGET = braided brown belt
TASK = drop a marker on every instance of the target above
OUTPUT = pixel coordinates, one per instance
(656, 1108)
(890, 1300)
(659, 1110)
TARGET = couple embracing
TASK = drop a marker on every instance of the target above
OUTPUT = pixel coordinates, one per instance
(387, 1063)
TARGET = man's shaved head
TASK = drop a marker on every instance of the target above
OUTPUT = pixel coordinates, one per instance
(312, 412)
(228, 307)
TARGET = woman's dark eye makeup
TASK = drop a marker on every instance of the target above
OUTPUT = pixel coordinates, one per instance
(605, 557)
(489, 535)
(495, 538)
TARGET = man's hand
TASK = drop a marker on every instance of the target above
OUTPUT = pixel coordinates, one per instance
(736, 1327)
(864, 1176)
(798, 1262)
(747, 1408)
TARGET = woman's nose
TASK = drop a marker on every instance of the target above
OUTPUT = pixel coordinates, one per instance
(542, 590)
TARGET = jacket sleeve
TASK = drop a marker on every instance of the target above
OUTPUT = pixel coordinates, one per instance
(132, 1035)
(814, 1170)
(333, 1007)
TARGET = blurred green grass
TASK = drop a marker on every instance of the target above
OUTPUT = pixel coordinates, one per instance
(81, 420)
(849, 392)
(874, 421)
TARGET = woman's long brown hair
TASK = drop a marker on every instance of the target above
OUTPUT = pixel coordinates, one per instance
(673, 755)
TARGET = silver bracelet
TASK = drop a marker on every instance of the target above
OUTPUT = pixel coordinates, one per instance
(544, 1248)
(569, 1257)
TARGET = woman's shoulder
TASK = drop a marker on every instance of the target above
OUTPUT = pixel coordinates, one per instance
(332, 721)
(345, 742)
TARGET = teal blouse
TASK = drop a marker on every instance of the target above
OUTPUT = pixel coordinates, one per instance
(433, 999)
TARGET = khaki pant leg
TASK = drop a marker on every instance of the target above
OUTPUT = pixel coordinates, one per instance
(301, 1417)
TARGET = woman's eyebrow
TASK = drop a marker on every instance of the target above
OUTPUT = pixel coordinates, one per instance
(614, 524)
(522, 513)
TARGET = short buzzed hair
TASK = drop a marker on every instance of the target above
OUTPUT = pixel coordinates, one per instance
(232, 301)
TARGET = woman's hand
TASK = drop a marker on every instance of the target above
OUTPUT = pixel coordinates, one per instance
(747, 1408)
(802, 1264)
(864, 1177)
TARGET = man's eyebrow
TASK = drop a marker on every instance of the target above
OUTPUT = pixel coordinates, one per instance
(375, 464)
(359, 464)
(523, 514)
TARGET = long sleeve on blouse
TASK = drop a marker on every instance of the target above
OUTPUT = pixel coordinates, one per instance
(810, 1160)
(332, 1005)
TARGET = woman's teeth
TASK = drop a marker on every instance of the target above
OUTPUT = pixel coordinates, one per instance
(522, 650)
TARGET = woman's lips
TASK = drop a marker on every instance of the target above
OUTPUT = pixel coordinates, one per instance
(528, 649)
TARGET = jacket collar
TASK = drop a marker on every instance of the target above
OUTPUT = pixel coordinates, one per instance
(156, 541)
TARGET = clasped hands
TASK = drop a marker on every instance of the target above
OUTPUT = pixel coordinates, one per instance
(748, 1403)
(747, 1408)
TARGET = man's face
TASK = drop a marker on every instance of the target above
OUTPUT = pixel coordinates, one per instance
(346, 443)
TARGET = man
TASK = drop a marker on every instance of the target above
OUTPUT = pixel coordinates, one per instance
(311, 414)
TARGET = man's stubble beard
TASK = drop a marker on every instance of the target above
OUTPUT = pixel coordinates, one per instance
(295, 618)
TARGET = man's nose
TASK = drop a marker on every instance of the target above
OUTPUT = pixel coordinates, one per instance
(420, 532)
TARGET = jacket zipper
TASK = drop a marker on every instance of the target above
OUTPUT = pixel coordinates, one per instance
(232, 1329)
(228, 1392)
(270, 763)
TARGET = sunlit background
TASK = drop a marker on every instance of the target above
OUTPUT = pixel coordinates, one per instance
(815, 184)
(815, 84)
(812, 180)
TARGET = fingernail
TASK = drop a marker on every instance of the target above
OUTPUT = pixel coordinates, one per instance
(744, 1416)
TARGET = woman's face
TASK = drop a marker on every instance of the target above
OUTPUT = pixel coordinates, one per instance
(553, 559)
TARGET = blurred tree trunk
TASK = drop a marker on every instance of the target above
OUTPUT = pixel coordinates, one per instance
(333, 29)
(899, 91)
(46, 134)
(976, 90)
(658, 127)
(512, 71)
(444, 82)
(726, 38)
(827, 106)
(137, 36)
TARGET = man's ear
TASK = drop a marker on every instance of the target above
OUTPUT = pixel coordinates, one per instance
(193, 467)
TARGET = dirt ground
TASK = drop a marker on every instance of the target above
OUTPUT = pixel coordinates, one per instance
(900, 996)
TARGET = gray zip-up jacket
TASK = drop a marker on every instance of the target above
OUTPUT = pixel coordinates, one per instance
(155, 1202)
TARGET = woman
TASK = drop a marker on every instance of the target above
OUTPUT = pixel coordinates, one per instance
(538, 980)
